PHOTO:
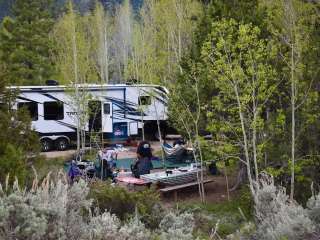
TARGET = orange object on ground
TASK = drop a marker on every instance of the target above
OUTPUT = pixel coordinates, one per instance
(132, 180)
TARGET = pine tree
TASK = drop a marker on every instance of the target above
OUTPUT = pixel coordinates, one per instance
(25, 43)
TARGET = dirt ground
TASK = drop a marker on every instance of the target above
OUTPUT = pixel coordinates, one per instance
(58, 154)
(216, 191)
(126, 152)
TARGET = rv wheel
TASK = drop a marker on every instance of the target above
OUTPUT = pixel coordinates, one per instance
(46, 145)
(61, 144)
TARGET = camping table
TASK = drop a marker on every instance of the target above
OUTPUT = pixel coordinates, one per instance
(178, 176)
(179, 179)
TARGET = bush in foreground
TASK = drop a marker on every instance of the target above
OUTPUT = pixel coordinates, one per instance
(278, 218)
(124, 203)
(55, 210)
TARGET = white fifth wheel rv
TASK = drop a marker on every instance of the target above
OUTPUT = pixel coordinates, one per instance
(115, 111)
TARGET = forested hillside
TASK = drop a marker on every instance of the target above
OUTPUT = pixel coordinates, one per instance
(244, 72)
(82, 5)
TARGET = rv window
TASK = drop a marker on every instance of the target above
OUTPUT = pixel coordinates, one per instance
(31, 107)
(53, 110)
(106, 108)
(144, 100)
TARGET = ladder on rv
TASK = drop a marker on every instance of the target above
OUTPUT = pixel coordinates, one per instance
(96, 140)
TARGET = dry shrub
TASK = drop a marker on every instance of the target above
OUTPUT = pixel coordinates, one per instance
(277, 217)
(55, 210)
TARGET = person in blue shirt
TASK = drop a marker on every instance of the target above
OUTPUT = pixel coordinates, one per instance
(143, 164)
(73, 171)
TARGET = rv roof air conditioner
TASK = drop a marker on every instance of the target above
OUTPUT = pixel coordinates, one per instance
(52, 82)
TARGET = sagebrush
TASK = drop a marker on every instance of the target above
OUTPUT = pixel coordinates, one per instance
(55, 210)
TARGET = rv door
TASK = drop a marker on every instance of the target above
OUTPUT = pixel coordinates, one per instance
(107, 117)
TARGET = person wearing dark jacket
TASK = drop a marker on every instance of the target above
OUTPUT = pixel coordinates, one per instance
(143, 164)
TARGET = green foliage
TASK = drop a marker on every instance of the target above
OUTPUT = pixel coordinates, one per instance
(243, 200)
(245, 11)
(227, 213)
(294, 27)
(234, 80)
(306, 174)
(43, 166)
(18, 145)
(12, 163)
(75, 39)
(162, 35)
(246, 44)
(25, 45)
(122, 203)
(192, 64)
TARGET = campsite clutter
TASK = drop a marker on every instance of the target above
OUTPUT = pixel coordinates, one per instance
(116, 113)
(178, 169)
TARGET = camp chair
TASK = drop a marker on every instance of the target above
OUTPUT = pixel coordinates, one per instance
(102, 166)
(85, 170)
(89, 173)
(178, 154)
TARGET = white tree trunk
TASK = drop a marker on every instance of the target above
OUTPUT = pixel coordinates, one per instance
(254, 141)
(75, 69)
(293, 121)
(245, 140)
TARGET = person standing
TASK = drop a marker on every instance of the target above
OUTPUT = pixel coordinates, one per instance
(107, 159)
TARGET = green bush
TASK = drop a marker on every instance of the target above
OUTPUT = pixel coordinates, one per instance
(122, 203)
(19, 145)
(227, 213)
(44, 165)
(307, 171)
(12, 163)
